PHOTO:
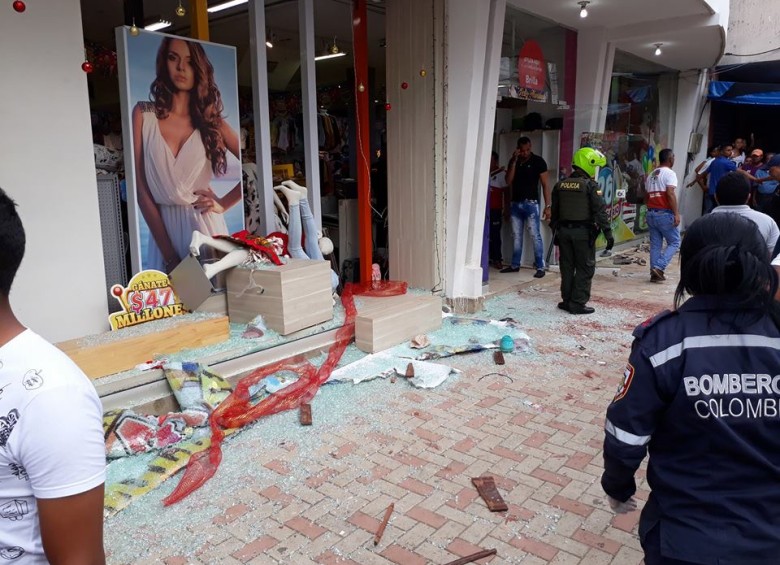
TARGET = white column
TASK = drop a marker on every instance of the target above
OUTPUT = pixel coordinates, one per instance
(262, 119)
(309, 100)
(595, 58)
(691, 91)
(474, 36)
(48, 167)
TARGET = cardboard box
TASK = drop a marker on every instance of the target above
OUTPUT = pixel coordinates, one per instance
(290, 297)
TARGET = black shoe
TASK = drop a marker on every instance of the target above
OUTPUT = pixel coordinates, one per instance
(510, 270)
(657, 275)
(575, 308)
(563, 306)
(539, 273)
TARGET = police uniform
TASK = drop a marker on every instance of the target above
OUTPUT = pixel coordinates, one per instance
(578, 211)
(701, 392)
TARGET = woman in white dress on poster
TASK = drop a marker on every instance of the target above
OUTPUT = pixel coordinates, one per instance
(180, 141)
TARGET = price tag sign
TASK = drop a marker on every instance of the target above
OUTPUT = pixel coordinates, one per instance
(148, 296)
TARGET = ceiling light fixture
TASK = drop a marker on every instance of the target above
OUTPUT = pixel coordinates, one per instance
(269, 40)
(329, 56)
(158, 25)
(225, 6)
(583, 8)
(658, 49)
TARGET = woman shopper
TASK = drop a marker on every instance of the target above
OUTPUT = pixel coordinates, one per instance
(701, 393)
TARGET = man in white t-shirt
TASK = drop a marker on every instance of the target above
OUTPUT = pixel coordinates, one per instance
(52, 453)
(663, 216)
(733, 194)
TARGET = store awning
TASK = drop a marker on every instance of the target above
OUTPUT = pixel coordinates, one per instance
(756, 93)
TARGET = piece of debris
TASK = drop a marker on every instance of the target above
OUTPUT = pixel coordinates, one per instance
(486, 487)
(305, 414)
(393, 379)
(510, 379)
(381, 530)
(409, 371)
(420, 342)
(498, 357)
(473, 557)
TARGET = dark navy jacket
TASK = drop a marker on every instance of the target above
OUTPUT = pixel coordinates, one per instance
(702, 393)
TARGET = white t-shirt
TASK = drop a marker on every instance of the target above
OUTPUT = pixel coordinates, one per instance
(766, 225)
(707, 162)
(51, 440)
(656, 187)
(739, 160)
(498, 180)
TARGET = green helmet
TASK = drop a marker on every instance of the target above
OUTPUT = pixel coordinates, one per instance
(587, 159)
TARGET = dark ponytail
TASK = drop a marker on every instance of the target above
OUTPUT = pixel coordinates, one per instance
(725, 255)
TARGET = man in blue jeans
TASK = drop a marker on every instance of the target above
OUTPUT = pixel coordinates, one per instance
(525, 173)
(663, 216)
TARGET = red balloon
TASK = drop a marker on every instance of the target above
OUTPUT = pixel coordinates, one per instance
(19, 6)
(404, 85)
(388, 107)
(87, 67)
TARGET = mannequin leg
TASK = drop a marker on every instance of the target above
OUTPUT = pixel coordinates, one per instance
(232, 259)
(302, 219)
(199, 239)
(295, 232)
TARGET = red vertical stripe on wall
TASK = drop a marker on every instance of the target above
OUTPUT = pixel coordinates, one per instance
(569, 138)
(360, 44)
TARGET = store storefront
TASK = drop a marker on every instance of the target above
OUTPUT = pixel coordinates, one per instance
(438, 108)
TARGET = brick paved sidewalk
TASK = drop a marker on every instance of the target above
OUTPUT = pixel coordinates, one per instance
(287, 494)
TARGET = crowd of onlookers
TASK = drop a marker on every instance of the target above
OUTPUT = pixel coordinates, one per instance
(762, 170)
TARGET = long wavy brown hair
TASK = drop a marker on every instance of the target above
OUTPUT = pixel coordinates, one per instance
(205, 100)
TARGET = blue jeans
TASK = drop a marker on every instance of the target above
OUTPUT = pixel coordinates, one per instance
(302, 222)
(661, 224)
(709, 203)
(527, 210)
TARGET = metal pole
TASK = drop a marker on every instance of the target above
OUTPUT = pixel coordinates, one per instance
(311, 143)
(262, 119)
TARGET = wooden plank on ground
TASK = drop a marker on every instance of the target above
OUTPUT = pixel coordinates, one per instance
(121, 350)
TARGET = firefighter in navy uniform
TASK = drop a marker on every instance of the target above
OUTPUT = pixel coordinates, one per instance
(578, 215)
(701, 393)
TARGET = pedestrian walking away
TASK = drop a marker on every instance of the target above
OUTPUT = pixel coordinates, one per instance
(578, 215)
(663, 216)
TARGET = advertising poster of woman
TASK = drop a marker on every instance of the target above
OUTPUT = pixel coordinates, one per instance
(181, 122)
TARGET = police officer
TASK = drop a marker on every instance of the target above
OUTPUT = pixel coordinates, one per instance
(578, 214)
(701, 392)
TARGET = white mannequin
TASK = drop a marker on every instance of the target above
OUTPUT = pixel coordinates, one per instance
(300, 217)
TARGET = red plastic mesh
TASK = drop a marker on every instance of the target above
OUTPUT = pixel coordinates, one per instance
(236, 410)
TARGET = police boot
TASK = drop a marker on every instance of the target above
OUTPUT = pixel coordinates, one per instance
(563, 305)
(575, 308)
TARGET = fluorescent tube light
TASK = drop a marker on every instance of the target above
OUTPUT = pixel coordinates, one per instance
(156, 26)
(329, 56)
(225, 5)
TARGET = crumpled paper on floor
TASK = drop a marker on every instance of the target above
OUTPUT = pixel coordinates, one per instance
(382, 365)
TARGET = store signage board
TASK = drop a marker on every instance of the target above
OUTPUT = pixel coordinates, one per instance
(148, 296)
(531, 72)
